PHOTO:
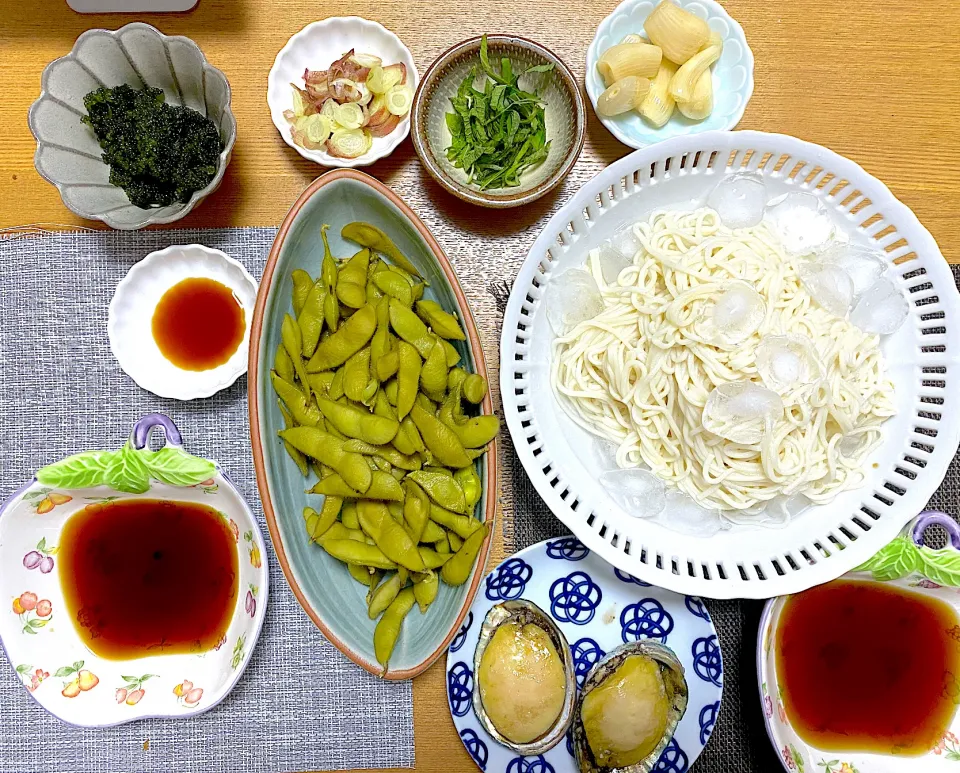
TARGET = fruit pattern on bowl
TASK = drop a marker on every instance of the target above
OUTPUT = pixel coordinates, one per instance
(51, 661)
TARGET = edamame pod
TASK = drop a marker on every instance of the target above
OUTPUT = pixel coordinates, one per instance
(356, 375)
(383, 486)
(433, 374)
(384, 595)
(324, 447)
(352, 552)
(442, 489)
(432, 559)
(388, 453)
(293, 343)
(307, 415)
(382, 342)
(352, 280)
(310, 319)
(358, 423)
(416, 509)
(433, 534)
(388, 365)
(349, 339)
(443, 323)
(362, 574)
(409, 327)
(335, 392)
(298, 458)
(320, 382)
(474, 388)
(302, 282)
(391, 283)
(319, 523)
(453, 356)
(461, 525)
(408, 378)
(367, 235)
(470, 483)
(425, 589)
(387, 632)
(457, 569)
(455, 541)
(283, 364)
(328, 274)
(440, 439)
(348, 515)
(390, 536)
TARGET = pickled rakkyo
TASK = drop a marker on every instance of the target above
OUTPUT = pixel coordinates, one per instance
(521, 680)
(625, 716)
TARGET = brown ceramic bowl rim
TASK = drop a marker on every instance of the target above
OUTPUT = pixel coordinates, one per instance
(491, 478)
(436, 171)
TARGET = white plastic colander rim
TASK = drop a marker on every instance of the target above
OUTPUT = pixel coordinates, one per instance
(765, 564)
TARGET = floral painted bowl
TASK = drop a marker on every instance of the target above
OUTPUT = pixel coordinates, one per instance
(61, 673)
(907, 563)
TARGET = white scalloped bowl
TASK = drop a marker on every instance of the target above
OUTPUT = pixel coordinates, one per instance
(732, 74)
(68, 154)
(131, 314)
(316, 47)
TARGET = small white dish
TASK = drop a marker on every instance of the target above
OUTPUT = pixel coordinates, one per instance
(131, 315)
(316, 47)
(732, 74)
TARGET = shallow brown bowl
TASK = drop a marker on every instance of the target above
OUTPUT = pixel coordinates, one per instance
(565, 119)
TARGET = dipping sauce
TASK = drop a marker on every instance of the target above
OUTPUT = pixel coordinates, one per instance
(144, 577)
(867, 667)
(198, 324)
(625, 716)
(521, 681)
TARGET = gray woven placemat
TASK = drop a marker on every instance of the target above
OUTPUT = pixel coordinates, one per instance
(300, 705)
(739, 743)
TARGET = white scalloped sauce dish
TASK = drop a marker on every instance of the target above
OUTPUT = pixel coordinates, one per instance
(130, 325)
(316, 47)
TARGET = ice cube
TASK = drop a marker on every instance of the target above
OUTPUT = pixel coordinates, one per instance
(787, 362)
(604, 454)
(736, 313)
(739, 199)
(881, 309)
(571, 298)
(829, 285)
(612, 262)
(864, 266)
(683, 515)
(639, 492)
(801, 220)
(740, 411)
(851, 446)
(625, 241)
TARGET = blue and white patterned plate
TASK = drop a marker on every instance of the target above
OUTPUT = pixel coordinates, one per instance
(598, 608)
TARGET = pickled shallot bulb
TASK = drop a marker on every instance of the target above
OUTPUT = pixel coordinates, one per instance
(625, 94)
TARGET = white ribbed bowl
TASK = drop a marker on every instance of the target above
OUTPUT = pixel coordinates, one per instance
(316, 47)
(732, 73)
(822, 542)
(68, 154)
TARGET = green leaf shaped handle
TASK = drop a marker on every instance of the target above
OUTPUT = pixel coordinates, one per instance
(906, 554)
(131, 468)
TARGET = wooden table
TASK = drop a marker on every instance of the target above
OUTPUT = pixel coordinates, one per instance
(873, 81)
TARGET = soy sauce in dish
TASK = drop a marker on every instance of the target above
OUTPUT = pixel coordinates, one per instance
(198, 324)
(147, 577)
(868, 667)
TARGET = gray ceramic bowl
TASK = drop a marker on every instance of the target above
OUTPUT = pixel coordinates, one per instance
(564, 118)
(68, 154)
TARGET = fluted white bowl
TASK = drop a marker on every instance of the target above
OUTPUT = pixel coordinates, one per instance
(68, 154)
(732, 73)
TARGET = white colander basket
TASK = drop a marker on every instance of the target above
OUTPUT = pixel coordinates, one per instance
(822, 542)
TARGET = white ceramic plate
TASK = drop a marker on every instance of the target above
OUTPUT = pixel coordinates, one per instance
(316, 47)
(40, 641)
(131, 313)
(732, 73)
(598, 608)
(822, 542)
